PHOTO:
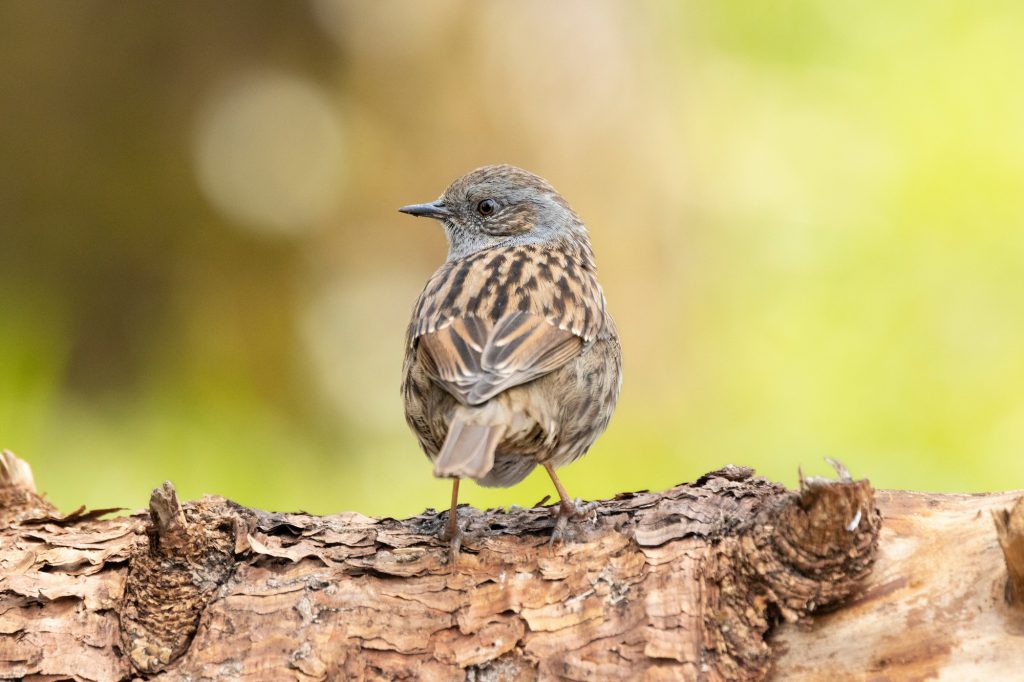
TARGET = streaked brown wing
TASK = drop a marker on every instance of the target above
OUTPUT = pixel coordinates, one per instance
(451, 356)
(475, 360)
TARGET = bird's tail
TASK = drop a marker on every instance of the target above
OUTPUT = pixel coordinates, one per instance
(468, 451)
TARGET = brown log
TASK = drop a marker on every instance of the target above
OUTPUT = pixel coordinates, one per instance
(731, 577)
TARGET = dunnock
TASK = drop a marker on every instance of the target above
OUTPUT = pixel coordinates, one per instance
(512, 359)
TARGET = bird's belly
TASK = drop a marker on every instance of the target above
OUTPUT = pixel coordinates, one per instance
(557, 417)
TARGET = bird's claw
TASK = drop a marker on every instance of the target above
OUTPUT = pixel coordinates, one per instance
(576, 510)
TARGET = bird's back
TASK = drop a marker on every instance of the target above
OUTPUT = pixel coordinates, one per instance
(521, 331)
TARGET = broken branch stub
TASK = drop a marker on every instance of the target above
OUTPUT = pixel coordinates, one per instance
(18, 498)
(187, 555)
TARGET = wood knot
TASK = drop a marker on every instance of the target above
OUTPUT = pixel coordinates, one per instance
(830, 525)
(812, 547)
(188, 555)
(1010, 529)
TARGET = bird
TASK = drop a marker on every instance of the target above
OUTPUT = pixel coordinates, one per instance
(512, 359)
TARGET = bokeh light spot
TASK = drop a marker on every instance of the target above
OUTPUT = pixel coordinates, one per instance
(269, 153)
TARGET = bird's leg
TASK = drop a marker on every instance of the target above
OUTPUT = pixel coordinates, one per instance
(567, 508)
(452, 533)
(567, 505)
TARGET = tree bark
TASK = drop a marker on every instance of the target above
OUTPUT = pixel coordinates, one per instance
(729, 578)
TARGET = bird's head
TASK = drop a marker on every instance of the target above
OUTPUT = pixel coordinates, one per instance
(504, 206)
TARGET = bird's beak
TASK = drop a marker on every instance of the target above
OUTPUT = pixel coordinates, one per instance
(435, 209)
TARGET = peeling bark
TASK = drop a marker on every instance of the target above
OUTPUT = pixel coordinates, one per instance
(714, 580)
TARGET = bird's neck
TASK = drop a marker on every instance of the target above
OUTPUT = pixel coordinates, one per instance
(576, 247)
(579, 251)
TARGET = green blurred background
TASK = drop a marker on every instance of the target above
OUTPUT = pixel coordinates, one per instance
(809, 220)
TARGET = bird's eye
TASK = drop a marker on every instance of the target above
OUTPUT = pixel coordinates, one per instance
(487, 207)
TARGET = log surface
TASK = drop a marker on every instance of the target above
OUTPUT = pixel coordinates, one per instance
(720, 579)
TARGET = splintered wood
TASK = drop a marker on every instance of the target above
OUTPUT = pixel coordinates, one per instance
(683, 584)
(1010, 529)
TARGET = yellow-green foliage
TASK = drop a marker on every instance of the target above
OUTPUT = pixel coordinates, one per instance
(808, 216)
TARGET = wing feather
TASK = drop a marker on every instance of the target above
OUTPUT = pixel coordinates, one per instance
(503, 317)
(475, 360)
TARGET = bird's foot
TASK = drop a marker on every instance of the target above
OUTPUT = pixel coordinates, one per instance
(452, 534)
(577, 510)
(454, 548)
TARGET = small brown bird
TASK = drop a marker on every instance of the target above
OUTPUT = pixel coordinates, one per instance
(512, 359)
